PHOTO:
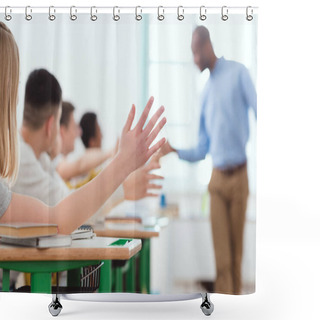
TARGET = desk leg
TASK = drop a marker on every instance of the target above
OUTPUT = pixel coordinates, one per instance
(118, 279)
(148, 266)
(131, 276)
(105, 277)
(5, 280)
(41, 282)
(145, 266)
(74, 278)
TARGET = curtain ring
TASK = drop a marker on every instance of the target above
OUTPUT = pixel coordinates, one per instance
(180, 15)
(160, 16)
(116, 17)
(28, 15)
(52, 17)
(73, 16)
(8, 17)
(93, 17)
(249, 16)
(138, 16)
(224, 13)
(203, 13)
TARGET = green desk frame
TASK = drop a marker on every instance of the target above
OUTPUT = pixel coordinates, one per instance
(129, 270)
(41, 272)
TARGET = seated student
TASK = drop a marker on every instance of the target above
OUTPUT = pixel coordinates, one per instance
(91, 134)
(71, 212)
(39, 137)
(70, 131)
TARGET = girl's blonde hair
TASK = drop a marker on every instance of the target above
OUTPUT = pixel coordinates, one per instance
(9, 81)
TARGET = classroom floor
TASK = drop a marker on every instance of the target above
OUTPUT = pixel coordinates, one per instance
(183, 257)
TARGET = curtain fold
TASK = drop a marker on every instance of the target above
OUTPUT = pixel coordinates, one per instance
(105, 67)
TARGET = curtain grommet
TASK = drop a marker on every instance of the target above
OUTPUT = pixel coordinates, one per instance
(73, 12)
(138, 16)
(28, 16)
(249, 16)
(160, 16)
(180, 15)
(52, 17)
(93, 17)
(7, 16)
(224, 13)
(116, 17)
(203, 13)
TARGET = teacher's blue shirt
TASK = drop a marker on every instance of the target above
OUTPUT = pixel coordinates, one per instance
(224, 121)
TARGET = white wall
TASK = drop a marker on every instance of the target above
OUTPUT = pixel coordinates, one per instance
(96, 63)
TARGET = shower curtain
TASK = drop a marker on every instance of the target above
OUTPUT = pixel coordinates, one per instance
(107, 60)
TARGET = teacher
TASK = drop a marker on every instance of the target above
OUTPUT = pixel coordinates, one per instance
(223, 133)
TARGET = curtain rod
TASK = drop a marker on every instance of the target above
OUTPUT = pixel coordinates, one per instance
(161, 11)
(124, 9)
(130, 7)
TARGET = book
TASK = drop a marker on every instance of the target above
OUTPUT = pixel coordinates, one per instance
(83, 232)
(120, 242)
(58, 240)
(123, 220)
(27, 230)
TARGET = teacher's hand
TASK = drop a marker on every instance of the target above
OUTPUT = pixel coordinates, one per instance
(163, 151)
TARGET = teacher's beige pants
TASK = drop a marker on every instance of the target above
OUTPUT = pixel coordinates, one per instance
(228, 203)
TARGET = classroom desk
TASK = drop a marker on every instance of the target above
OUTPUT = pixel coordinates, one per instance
(41, 263)
(137, 231)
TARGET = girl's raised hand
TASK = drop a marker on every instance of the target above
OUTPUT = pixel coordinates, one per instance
(134, 145)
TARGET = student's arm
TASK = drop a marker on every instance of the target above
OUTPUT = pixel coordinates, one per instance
(91, 159)
(74, 210)
(138, 185)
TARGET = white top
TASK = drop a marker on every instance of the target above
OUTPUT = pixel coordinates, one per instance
(38, 178)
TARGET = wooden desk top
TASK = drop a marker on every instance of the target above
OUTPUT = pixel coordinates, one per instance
(130, 230)
(89, 249)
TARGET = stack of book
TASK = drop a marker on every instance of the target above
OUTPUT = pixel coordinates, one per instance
(123, 223)
(33, 235)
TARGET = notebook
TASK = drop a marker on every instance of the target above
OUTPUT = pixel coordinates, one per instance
(83, 232)
(40, 242)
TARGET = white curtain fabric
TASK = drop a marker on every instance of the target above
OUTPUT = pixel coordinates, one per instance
(105, 66)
